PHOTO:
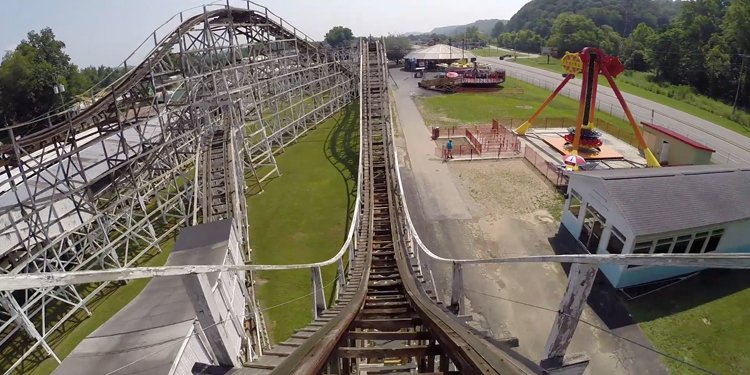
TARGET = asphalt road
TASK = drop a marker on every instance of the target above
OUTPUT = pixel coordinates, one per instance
(731, 147)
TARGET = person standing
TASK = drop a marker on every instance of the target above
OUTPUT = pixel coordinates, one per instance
(449, 148)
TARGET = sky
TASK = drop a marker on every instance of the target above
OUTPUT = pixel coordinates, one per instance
(104, 32)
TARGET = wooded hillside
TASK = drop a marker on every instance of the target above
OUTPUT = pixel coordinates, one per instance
(622, 15)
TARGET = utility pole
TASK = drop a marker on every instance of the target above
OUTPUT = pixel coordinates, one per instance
(59, 89)
(464, 47)
(739, 84)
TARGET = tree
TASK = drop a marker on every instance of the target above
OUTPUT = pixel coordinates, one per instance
(396, 47)
(573, 32)
(498, 29)
(609, 40)
(524, 40)
(621, 15)
(339, 36)
(28, 74)
(635, 49)
(737, 23)
(665, 56)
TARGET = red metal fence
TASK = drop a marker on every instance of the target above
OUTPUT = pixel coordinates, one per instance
(549, 170)
(459, 152)
(477, 145)
(623, 133)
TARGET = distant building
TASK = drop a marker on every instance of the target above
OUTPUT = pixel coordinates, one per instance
(678, 210)
(429, 57)
(672, 148)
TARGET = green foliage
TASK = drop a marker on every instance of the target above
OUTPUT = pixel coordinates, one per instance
(339, 36)
(396, 47)
(471, 34)
(702, 48)
(621, 15)
(484, 27)
(524, 40)
(665, 54)
(498, 29)
(573, 32)
(29, 73)
(634, 53)
(737, 24)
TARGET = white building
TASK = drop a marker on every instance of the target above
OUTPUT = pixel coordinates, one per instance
(691, 209)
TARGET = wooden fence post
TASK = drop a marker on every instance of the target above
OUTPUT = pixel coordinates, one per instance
(457, 290)
(580, 281)
(319, 296)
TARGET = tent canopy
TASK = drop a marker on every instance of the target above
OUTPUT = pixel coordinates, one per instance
(440, 52)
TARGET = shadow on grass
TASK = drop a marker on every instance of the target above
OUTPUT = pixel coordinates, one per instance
(616, 310)
(342, 151)
(704, 287)
(341, 148)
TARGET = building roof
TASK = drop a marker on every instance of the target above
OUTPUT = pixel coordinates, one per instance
(155, 322)
(440, 52)
(678, 136)
(662, 200)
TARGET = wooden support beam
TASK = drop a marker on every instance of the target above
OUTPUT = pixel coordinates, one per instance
(387, 324)
(372, 335)
(341, 276)
(580, 281)
(318, 293)
(457, 290)
(402, 351)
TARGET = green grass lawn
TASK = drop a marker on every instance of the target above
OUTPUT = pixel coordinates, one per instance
(517, 100)
(678, 97)
(495, 52)
(303, 217)
(703, 320)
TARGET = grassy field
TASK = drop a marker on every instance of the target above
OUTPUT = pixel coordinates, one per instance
(517, 100)
(495, 52)
(702, 320)
(105, 305)
(303, 216)
(678, 97)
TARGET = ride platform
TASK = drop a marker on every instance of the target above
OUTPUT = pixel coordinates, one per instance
(606, 153)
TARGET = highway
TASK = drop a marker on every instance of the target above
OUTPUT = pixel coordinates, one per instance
(731, 147)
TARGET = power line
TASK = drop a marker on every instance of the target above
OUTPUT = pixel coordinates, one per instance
(592, 325)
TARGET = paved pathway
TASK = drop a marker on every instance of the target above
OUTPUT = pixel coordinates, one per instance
(731, 147)
(446, 221)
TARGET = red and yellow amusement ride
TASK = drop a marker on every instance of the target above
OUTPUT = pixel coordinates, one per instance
(591, 62)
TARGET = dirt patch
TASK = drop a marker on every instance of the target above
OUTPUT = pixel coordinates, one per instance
(505, 187)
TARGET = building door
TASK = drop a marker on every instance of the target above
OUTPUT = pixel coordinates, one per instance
(593, 226)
